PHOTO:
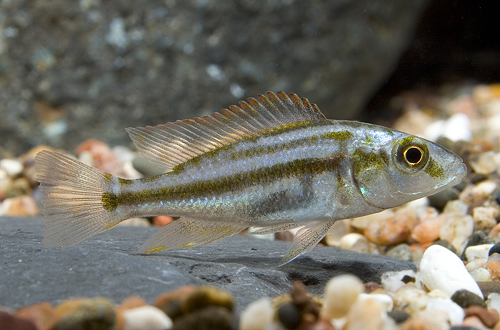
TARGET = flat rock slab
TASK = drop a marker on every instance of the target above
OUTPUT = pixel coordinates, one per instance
(107, 265)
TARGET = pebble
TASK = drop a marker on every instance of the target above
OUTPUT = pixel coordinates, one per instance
(146, 317)
(476, 263)
(428, 230)
(401, 251)
(442, 269)
(427, 320)
(205, 296)
(484, 217)
(489, 317)
(478, 252)
(208, 318)
(336, 232)
(364, 221)
(481, 275)
(289, 315)
(257, 315)
(11, 322)
(19, 206)
(455, 312)
(398, 316)
(485, 163)
(457, 229)
(383, 299)
(465, 298)
(494, 249)
(440, 199)
(137, 222)
(42, 315)
(368, 315)
(456, 206)
(81, 313)
(355, 242)
(171, 302)
(391, 230)
(493, 301)
(483, 190)
(493, 266)
(12, 167)
(392, 281)
(162, 220)
(474, 322)
(479, 237)
(340, 293)
(410, 299)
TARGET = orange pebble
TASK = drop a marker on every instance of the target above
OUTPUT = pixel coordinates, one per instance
(162, 220)
(494, 268)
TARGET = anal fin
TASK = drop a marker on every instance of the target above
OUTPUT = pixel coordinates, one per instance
(307, 238)
(187, 232)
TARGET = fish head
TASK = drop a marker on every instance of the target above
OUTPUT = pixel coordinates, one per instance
(403, 168)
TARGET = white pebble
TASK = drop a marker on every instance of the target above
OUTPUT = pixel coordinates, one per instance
(340, 293)
(11, 166)
(457, 229)
(457, 128)
(411, 300)
(355, 242)
(478, 252)
(336, 232)
(476, 263)
(484, 217)
(483, 190)
(494, 301)
(383, 299)
(456, 206)
(391, 281)
(146, 317)
(456, 313)
(433, 319)
(442, 269)
(481, 275)
(257, 315)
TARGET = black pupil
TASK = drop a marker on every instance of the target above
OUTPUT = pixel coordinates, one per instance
(413, 155)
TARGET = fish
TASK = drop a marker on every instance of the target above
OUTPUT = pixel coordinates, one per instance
(272, 163)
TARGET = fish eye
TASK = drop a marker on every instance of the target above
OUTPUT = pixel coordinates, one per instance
(413, 155)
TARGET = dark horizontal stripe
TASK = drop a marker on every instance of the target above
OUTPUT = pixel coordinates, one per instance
(224, 184)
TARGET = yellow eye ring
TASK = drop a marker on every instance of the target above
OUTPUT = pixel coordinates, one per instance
(413, 155)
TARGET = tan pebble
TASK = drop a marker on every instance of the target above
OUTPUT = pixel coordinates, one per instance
(336, 232)
(493, 267)
(257, 315)
(340, 293)
(484, 218)
(427, 320)
(365, 221)
(457, 229)
(19, 206)
(483, 190)
(371, 286)
(489, 317)
(162, 220)
(365, 314)
(392, 230)
(456, 206)
(474, 322)
(146, 317)
(136, 222)
(355, 242)
(484, 163)
(43, 315)
(205, 296)
(170, 302)
(410, 300)
(427, 231)
(494, 231)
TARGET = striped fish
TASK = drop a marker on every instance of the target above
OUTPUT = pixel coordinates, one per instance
(274, 163)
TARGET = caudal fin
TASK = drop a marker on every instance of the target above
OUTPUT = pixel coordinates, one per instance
(73, 206)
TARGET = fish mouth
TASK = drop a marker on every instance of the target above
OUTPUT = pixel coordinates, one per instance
(460, 174)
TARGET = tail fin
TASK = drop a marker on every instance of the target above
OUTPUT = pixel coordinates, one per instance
(73, 206)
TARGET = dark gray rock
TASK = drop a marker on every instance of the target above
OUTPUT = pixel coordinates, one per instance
(107, 265)
(72, 70)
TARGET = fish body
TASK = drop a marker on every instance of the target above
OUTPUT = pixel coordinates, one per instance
(275, 163)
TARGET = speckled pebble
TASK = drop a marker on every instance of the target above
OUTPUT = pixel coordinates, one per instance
(428, 230)
(391, 230)
(442, 269)
(427, 320)
(401, 251)
(481, 275)
(82, 312)
(410, 299)
(457, 229)
(484, 217)
(465, 298)
(257, 315)
(146, 317)
(393, 281)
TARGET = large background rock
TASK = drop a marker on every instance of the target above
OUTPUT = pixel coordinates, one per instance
(71, 70)
(107, 265)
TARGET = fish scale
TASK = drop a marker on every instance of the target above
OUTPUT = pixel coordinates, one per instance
(272, 163)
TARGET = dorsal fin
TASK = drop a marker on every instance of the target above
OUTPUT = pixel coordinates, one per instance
(175, 143)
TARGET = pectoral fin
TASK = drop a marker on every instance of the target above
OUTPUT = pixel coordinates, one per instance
(189, 232)
(306, 238)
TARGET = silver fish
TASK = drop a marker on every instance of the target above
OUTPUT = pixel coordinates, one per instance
(274, 163)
